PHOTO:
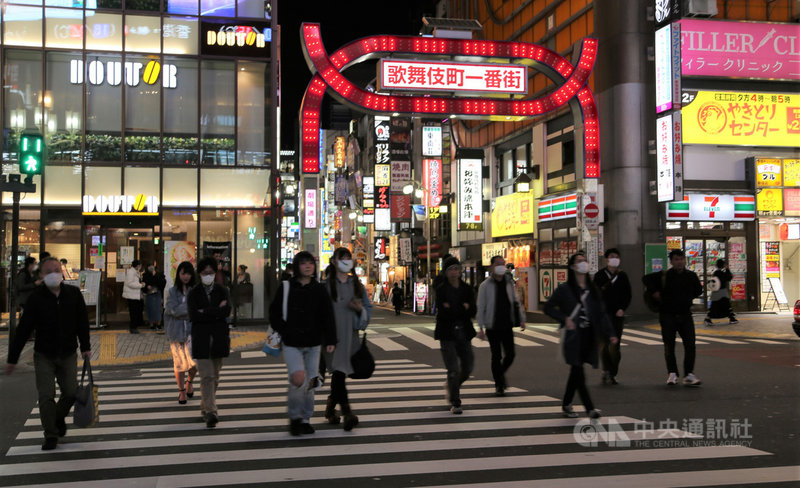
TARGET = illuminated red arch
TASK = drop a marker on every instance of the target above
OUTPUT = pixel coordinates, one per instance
(327, 74)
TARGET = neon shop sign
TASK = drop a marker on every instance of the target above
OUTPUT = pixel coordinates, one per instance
(111, 72)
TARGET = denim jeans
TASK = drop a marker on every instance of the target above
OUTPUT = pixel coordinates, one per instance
(459, 360)
(301, 398)
(50, 370)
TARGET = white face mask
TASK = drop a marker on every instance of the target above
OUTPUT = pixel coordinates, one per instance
(500, 270)
(581, 267)
(613, 262)
(207, 280)
(344, 265)
(53, 280)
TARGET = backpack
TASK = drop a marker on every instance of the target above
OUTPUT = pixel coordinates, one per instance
(653, 282)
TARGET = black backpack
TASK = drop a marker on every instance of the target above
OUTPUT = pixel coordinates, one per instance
(653, 282)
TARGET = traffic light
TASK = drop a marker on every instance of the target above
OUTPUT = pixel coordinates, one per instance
(31, 154)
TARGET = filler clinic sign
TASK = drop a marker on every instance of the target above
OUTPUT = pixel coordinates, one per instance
(457, 78)
(742, 118)
(740, 49)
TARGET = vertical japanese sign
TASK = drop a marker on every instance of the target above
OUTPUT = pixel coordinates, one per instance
(432, 141)
(432, 181)
(669, 164)
(405, 250)
(663, 51)
(339, 152)
(381, 249)
(311, 208)
(470, 201)
(368, 198)
(383, 217)
(401, 175)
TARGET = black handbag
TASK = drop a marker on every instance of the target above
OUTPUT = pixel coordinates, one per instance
(362, 362)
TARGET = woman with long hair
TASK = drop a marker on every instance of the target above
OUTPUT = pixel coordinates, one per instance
(305, 323)
(178, 329)
(352, 310)
(578, 306)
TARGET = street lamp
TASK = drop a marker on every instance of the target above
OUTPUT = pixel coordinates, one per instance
(523, 183)
(419, 192)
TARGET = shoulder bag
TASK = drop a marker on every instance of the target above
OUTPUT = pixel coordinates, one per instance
(272, 346)
(362, 362)
(86, 413)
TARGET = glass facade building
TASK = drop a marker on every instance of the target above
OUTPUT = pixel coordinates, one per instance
(159, 119)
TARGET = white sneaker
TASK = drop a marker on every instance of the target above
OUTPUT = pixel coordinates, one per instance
(691, 380)
(673, 379)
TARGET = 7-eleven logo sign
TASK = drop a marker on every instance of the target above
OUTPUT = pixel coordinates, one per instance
(711, 206)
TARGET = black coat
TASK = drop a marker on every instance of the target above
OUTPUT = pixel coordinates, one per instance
(448, 317)
(561, 305)
(210, 337)
(616, 290)
(158, 281)
(60, 322)
(309, 316)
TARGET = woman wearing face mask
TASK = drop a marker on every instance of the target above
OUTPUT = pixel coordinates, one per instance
(352, 311)
(132, 291)
(179, 330)
(615, 287)
(578, 306)
(208, 308)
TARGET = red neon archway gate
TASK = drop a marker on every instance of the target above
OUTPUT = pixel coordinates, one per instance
(327, 74)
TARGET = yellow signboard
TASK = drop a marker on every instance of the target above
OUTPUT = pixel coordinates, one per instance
(513, 215)
(768, 172)
(769, 201)
(742, 119)
(791, 172)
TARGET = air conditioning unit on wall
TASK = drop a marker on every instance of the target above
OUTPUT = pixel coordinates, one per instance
(700, 8)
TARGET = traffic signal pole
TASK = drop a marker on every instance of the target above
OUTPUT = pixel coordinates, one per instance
(15, 186)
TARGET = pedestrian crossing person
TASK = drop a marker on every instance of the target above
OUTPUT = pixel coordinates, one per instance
(455, 305)
(352, 311)
(178, 329)
(208, 308)
(720, 285)
(306, 325)
(57, 312)
(615, 287)
(578, 306)
(499, 310)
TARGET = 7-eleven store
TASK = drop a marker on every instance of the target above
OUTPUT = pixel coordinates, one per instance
(713, 226)
(557, 240)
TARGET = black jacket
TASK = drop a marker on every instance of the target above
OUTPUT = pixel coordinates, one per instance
(616, 290)
(59, 321)
(158, 281)
(447, 318)
(210, 337)
(309, 315)
(724, 276)
(561, 305)
(679, 291)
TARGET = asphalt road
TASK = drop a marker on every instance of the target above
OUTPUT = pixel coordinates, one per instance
(739, 428)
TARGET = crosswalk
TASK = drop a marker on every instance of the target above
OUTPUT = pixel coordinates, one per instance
(406, 437)
(393, 338)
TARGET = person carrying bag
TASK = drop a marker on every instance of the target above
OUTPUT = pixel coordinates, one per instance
(86, 412)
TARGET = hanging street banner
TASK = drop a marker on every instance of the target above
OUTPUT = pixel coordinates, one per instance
(470, 199)
(432, 181)
(741, 118)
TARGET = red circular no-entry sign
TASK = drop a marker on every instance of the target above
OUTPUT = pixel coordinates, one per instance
(591, 210)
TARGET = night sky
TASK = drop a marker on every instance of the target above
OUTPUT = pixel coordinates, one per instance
(341, 22)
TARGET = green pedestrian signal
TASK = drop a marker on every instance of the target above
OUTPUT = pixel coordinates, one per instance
(31, 154)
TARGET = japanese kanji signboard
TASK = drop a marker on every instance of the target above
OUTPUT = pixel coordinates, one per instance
(669, 158)
(432, 181)
(458, 78)
(740, 49)
(513, 215)
(768, 172)
(470, 201)
(741, 118)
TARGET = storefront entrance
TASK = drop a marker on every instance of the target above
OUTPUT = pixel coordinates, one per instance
(701, 257)
(110, 245)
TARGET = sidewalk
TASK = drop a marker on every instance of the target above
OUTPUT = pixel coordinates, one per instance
(118, 347)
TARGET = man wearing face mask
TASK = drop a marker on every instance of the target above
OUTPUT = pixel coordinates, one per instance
(499, 310)
(57, 313)
(615, 287)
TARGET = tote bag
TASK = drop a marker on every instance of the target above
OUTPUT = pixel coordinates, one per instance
(362, 362)
(272, 346)
(86, 413)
